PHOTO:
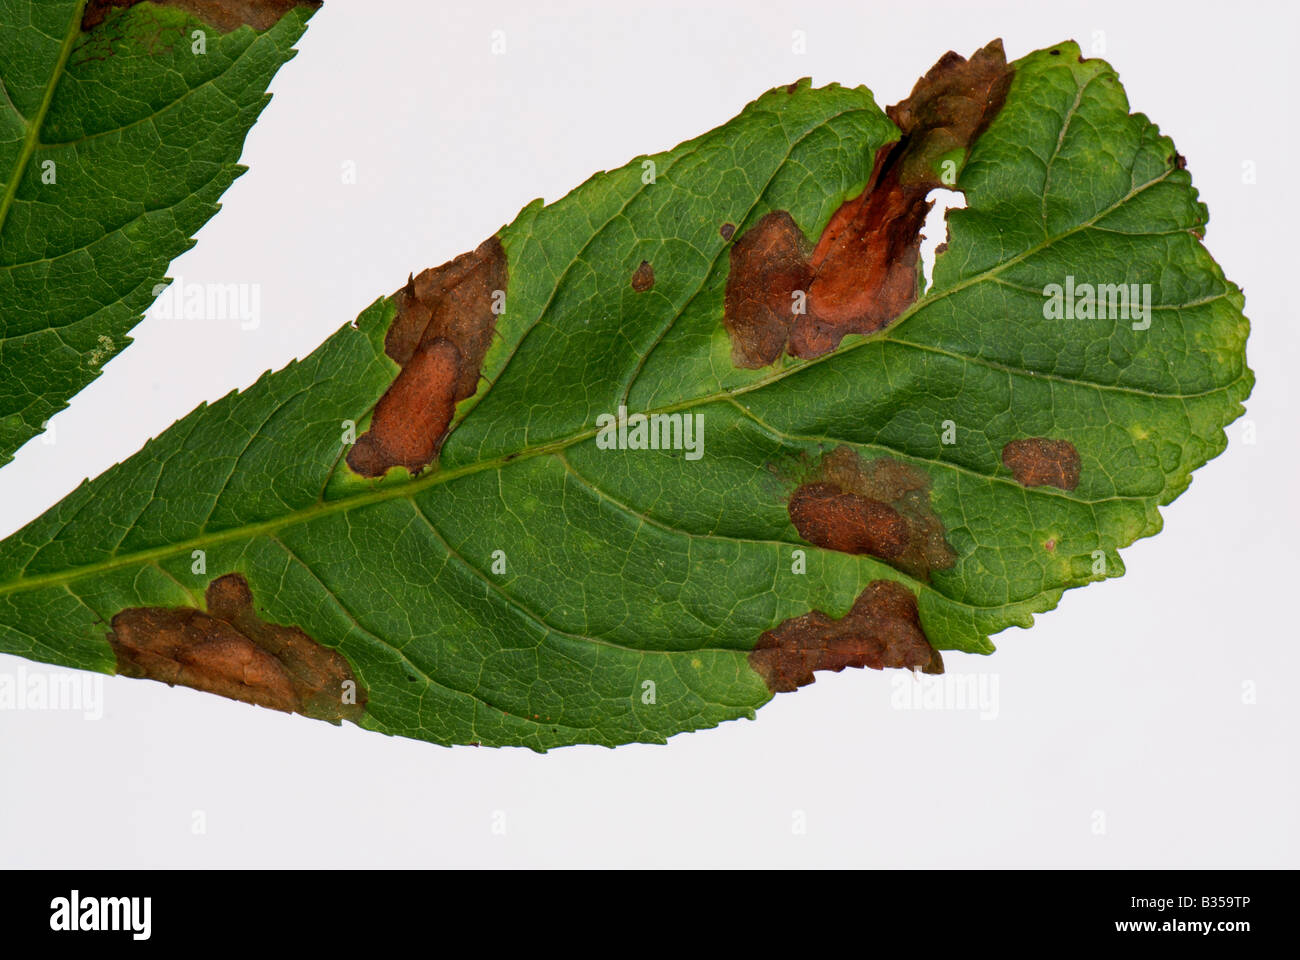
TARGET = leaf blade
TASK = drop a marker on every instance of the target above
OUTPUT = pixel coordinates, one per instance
(628, 567)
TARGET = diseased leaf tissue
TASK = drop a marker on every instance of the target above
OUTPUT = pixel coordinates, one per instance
(415, 528)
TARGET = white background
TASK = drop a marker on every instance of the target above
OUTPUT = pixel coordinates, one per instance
(1123, 708)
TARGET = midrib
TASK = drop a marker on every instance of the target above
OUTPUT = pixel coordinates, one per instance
(32, 140)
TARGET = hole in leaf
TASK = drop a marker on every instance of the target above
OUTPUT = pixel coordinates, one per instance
(935, 232)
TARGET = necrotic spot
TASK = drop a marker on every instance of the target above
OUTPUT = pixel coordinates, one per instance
(827, 516)
(446, 318)
(882, 629)
(862, 273)
(411, 418)
(769, 264)
(879, 507)
(231, 651)
(225, 15)
(1043, 462)
(644, 277)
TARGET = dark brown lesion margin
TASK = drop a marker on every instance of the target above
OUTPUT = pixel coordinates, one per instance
(223, 15)
(445, 321)
(229, 650)
(862, 273)
(882, 629)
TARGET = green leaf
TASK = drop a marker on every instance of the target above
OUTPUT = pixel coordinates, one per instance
(533, 586)
(119, 131)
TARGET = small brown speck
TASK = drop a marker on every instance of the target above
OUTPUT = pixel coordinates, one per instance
(644, 277)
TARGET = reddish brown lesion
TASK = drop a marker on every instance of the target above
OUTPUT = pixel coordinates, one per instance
(643, 278)
(224, 15)
(862, 273)
(882, 629)
(839, 520)
(879, 507)
(445, 321)
(769, 267)
(1043, 462)
(229, 650)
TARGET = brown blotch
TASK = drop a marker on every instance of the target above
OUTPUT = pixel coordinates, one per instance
(224, 15)
(769, 264)
(643, 278)
(862, 272)
(831, 518)
(879, 507)
(1043, 462)
(230, 651)
(883, 629)
(412, 417)
(440, 335)
(728, 230)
